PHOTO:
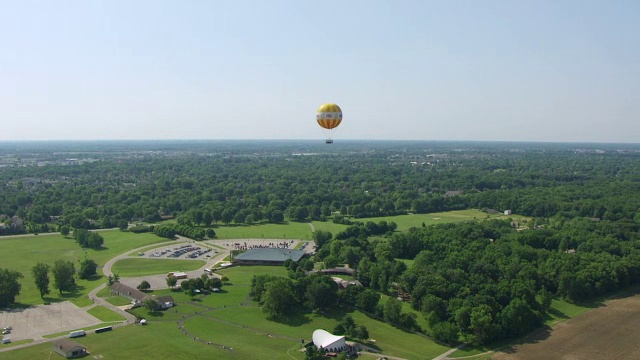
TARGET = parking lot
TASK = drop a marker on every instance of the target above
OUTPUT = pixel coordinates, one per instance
(40, 320)
(186, 251)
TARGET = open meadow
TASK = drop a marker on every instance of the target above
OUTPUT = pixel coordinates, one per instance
(405, 222)
(132, 267)
(289, 230)
(23, 253)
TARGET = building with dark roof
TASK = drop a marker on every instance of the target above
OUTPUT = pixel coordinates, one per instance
(69, 349)
(267, 256)
(137, 297)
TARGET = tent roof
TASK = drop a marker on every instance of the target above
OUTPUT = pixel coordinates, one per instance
(324, 339)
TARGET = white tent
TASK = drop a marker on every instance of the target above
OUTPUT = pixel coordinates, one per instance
(325, 340)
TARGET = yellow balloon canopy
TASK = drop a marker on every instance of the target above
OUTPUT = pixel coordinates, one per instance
(329, 116)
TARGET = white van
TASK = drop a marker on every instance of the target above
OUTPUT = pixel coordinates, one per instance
(208, 271)
(6, 340)
(77, 333)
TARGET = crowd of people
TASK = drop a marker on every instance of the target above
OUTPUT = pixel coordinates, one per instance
(270, 245)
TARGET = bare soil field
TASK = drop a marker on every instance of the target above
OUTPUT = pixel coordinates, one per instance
(608, 332)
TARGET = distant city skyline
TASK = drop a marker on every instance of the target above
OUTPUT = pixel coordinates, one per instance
(538, 71)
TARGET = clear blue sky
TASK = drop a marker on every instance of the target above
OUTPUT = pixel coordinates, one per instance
(425, 70)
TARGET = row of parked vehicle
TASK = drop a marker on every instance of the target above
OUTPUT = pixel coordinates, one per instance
(198, 253)
(182, 251)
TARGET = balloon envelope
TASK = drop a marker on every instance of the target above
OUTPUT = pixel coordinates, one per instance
(329, 116)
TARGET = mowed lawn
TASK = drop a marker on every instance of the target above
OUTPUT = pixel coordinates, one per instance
(405, 222)
(290, 230)
(131, 267)
(104, 314)
(23, 253)
(157, 340)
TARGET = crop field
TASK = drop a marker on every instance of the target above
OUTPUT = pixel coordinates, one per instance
(142, 267)
(608, 332)
(22, 253)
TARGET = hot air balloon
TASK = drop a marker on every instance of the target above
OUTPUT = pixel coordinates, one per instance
(329, 116)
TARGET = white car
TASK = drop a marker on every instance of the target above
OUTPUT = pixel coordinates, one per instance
(5, 332)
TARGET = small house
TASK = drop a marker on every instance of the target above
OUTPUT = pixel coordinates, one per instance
(69, 349)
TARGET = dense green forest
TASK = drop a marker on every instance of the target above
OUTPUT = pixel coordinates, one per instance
(474, 281)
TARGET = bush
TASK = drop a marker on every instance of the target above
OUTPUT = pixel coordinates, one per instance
(144, 285)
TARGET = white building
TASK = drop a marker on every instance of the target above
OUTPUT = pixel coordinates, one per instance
(327, 341)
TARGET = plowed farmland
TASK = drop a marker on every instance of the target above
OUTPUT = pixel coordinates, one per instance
(608, 332)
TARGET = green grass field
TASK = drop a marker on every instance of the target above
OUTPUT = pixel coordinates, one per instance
(23, 253)
(104, 314)
(405, 222)
(235, 320)
(290, 230)
(132, 267)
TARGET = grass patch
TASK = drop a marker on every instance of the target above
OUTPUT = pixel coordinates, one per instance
(405, 222)
(104, 314)
(93, 327)
(408, 262)
(291, 230)
(132, 267)
(23, 253)
(19, 342)
(117, 300)
(246, 343)
(160, 340)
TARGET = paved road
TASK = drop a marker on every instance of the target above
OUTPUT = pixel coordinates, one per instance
(130, 319)
(106, 269)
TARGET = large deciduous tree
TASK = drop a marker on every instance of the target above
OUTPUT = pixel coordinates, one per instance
(88, 268)
(9, 286)
(64, 275)
(172, 281)
(41, 277)
(278, 297)
(144, 285)
(321, 293)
